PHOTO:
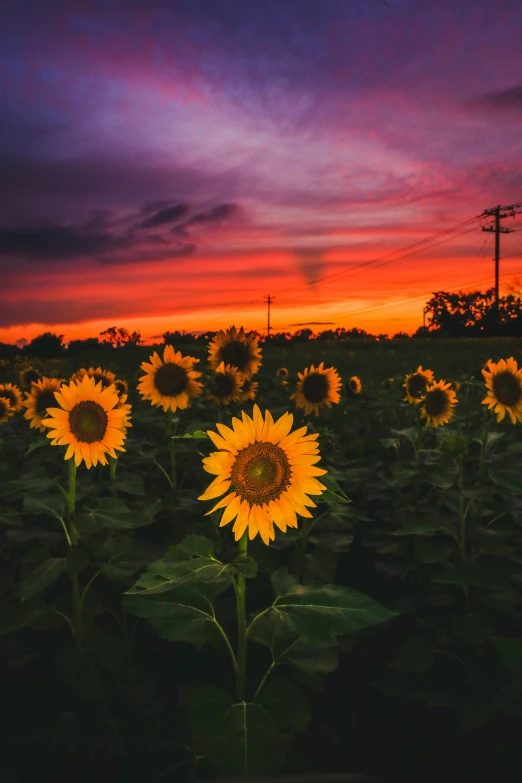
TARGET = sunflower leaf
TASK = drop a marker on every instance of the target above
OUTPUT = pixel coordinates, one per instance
(509, 478)
(196, 435)
(184, 615)
(333, 493)
(317, 614)
(190, 561)
(42, 576)
(235, 735)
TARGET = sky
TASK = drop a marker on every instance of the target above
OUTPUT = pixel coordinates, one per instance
(167, 164)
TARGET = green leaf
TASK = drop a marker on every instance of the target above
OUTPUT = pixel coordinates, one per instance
(286, 704)
(132, 483)
(244, 565)
(240, 738)
(192, 560)
(319, 613)
(416, 529)
(50, 505)
(116, 514)
(410, 434)
(186, 615)
(415, 655)
(37, 444)
(510, 651)
(333, 492)
(509, 478)
(42, 576)
(196, 435)
(8, 516)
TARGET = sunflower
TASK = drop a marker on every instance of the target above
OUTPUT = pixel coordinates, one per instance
(354, 385)
(106, 377)
(438, 403)
(225, 385)
(504, 385)
(171, 383)
(87, 421)
(317, 388)
(248, 391)
(13, 394)
(28, 376)
(282, 373)
(416, 384)
(121, 387)
(39, 399)
(236, 349)
(266, 472)
(5, 406)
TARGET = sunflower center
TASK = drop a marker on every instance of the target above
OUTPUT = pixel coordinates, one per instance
(417, 385)
(506, 388)
(88, 421)
(103, 378)
(120, 387)
(261, 472)
(223, 385)
(170, 379)
(436, 402)
(315, 387)
(11, 396)
(3, 407)
(236, 353)
(45, 399)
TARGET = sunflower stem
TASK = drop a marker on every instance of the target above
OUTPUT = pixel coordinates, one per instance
(73, 533)
(303, 543)
(462, 524)
(173, 476)
(112, 470)
(241, 624)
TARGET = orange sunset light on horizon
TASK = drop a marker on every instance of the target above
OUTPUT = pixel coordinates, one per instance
(168, 169)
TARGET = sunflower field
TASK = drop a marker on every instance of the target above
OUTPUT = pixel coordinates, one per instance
(260, 561)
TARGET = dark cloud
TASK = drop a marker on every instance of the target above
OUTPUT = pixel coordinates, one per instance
(164, 216)
(57, 242)
(501, 100)
(221, 212)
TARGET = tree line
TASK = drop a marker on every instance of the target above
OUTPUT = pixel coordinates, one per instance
(448, 315)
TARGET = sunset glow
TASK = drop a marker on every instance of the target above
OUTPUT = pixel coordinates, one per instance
(167, 169)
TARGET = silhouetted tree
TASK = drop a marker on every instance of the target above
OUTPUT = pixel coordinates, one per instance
(8, 351)
(46, 346)
(175, 338)
(302, 336)
(119, 337)
(75, 346)
(473, 314)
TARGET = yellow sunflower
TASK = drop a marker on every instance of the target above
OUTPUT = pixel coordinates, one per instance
(416, 384)
(39, 399)
(504, 386)
(354, 385)
(266, 471)
(88, 421)
(236, 348)
(248, 391)
(106, 377)
(171, 383)
(437, 404)
(225, 385)
(5, 405)
(13, 394)
(317, 388)
(121, 387)
(282, 373)
(28, 376)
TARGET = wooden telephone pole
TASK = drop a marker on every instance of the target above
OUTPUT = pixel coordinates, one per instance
(268, 300)
(495, 212)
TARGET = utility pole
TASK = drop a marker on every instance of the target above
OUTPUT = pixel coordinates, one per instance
(495, 212)
(268, 300)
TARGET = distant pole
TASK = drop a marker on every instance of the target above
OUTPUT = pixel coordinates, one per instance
(495, 212)
(424, 318)
(269, 301)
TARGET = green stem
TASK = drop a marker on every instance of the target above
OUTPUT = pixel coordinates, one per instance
(241, 625)
(303, 543)
(462, 521)
(483, 443)
(173, 475)
(73, 532)
(112, 470)
(265, 678)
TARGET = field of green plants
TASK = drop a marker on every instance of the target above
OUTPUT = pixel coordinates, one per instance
(140, 641)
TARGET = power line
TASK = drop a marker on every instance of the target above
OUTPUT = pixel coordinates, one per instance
(495, 212)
